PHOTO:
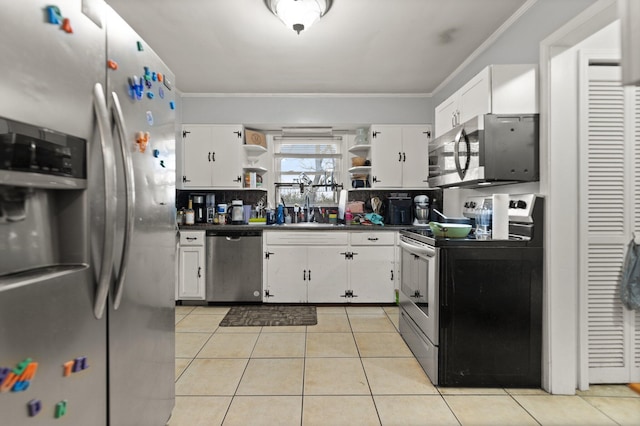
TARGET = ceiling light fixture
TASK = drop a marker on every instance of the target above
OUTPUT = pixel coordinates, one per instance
(299, 14)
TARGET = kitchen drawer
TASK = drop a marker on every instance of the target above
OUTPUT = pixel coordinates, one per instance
(384, 238)
(306, 238)
(192, 238)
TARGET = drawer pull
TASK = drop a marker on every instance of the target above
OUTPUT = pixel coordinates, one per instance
(372, 239)
(191, 238)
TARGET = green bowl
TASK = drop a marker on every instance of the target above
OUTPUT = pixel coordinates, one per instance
(449, 230)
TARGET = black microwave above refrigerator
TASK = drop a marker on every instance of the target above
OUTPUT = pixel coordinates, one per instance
(486, 150)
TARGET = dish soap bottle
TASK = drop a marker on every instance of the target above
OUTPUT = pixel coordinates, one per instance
(348, 216)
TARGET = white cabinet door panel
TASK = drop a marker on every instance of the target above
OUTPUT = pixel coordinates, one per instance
(191, 281)
(327, 274)
(386, 156)
(196, 148)
(415, 156)
(285, 268)
(371, 274)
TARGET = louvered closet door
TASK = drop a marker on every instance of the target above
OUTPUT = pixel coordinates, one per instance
(606, 223)
(635, 92)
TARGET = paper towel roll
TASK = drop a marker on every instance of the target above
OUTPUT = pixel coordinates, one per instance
(500, 221)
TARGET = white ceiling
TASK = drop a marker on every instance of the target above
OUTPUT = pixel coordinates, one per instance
(359, 46)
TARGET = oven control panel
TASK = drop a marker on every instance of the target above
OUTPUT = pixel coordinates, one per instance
(520, 207)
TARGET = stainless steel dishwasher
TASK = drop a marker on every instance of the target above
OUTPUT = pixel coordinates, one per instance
(234, 265)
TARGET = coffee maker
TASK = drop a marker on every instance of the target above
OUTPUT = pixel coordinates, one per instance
(199, 208)
(237, 212)
(421, 210)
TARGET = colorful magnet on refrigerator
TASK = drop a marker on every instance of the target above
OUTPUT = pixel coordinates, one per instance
(154, 76)
(66, 26)
(136, 87)
(159, 77)
(142, 139)
(53, 15)
(67, 368)
(150, 95)
(172, 105)
(162, 164)
(61, 409)
(33, 407)
(156, 153)
(161, 92)
(112, 64)
(150, 117)
(140, 47)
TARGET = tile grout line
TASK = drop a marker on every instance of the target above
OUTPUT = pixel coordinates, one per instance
(373, 400)
(523, 407)
(244, 371)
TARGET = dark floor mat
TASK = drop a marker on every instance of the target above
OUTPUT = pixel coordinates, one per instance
(269, 315)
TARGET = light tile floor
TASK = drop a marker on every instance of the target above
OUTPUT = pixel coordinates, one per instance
(353, 368)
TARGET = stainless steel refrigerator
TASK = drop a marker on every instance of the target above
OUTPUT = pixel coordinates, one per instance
(87, 225)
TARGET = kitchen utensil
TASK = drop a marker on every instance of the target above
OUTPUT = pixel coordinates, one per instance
(449, 230)
(376, 205)
(446, 219)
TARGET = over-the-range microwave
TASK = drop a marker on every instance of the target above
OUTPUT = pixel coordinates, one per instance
(488, 149)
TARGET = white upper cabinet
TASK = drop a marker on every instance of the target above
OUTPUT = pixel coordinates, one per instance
(399, 156)
(497, 89)
(212, 156)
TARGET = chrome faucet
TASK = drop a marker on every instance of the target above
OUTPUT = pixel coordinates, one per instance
(306, 208)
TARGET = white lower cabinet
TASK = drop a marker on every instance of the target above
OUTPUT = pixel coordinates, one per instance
(372, 267)
(191, 266)
(305, 267)
(329, 267)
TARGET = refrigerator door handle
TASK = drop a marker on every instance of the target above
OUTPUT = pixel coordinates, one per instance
(106, 143)
(129, 184)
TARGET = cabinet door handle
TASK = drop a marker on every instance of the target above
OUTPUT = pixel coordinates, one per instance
(304, 275)
(309, 274)
(392, 275)
(199, 270)
(239, 134)
(209, 156)
(238, 179)
(213, 156)
(404, 157)
(399, 156)
(453, 119)
(375, 179)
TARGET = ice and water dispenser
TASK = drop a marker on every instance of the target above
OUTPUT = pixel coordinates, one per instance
(43, 180)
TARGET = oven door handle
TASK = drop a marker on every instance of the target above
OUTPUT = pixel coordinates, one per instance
(418, 250)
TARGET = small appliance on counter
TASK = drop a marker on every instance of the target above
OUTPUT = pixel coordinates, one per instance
(199, 209)
(211, 207)
(237, 212)
(421, 210)
(398, 209)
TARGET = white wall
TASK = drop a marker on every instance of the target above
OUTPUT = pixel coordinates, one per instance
(270, 112)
